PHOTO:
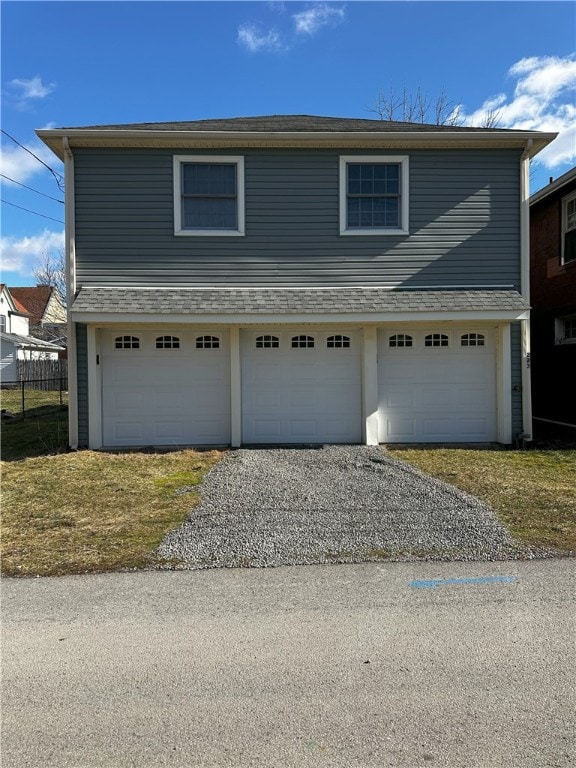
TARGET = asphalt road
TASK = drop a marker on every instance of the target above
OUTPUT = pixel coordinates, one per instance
(400, 664)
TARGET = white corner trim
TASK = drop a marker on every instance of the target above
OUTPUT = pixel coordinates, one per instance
(525, 223)
(235, 389)
(370, 385)
(94, 388)
(503, 384)
(404, 162)
(526, 380)
(177, 162)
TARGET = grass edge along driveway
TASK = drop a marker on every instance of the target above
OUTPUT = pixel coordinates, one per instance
(91, 511)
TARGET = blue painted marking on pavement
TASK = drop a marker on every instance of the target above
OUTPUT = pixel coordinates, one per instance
(433, 583)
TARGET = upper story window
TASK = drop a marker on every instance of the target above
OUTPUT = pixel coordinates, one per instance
(302, 342)
(436, 340)
(373, 195)
(167, 342)
(400, 340)
(338, 342)
(569, 229)
(2, 322)
(208, 195)
(127, 342)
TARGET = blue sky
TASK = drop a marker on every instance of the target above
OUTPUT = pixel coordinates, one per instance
(91, 63)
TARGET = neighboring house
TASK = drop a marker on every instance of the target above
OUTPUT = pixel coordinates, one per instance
(16, 343)
(296, 279)
(46, 309)
(553, 299)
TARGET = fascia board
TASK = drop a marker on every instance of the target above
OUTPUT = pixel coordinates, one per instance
(138, 318)
(314, 139)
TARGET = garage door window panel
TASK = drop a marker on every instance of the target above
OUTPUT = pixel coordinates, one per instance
(267, 342)
(207, 342)
(436, 340)
(167, 342)
(302, 342)
(400, 341)
(472, 340)
(338, 342)
(127, 342)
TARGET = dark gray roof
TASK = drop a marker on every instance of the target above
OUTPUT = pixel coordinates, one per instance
(278, 123)
(291, 301)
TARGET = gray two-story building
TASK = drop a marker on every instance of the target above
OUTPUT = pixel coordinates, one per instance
(297, 280)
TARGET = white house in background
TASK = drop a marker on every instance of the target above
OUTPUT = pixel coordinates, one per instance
(15, 340)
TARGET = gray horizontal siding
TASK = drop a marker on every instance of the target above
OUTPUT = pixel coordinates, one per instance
(82, 382)
(464, 224)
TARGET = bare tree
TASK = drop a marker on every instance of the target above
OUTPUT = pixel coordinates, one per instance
(51, 270)
(418, 107)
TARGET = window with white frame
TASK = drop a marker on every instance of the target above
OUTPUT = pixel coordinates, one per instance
(208, 195)
(569, 229)
(565, 330)
(2, 322)
(373, 195)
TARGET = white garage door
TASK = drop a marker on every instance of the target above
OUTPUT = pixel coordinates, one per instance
(301, 386)
(165, 388)
(437, 385)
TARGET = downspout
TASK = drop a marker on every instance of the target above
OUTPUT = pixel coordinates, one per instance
(70, 237)
(525, 291)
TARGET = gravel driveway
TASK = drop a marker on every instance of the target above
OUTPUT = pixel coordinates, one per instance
(288, 506)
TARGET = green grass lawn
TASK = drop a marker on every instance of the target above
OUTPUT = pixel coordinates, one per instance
(41, 428)
(91, 511)
(533, 492)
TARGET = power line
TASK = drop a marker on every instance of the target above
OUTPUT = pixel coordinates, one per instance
(30, 188)
(58, 176)
(6, 202)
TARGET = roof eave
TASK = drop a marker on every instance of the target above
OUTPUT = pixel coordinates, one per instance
(53, 138)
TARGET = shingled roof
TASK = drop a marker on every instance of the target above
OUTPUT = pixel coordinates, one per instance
(290, 123)
(35, 300)
(291, 301)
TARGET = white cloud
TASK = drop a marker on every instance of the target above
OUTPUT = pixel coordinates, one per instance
(28, 90)
(543, 100)
(310, 21)
(19, 165)
(20, 254)
(257, 40)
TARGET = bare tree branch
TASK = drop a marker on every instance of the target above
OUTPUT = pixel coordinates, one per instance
(51, 270)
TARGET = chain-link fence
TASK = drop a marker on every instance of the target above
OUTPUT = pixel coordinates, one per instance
(33, 398)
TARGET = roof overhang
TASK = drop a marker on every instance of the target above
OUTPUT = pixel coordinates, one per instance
(241, 320)
(31, 343)
(555, 186)
(530, 141)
